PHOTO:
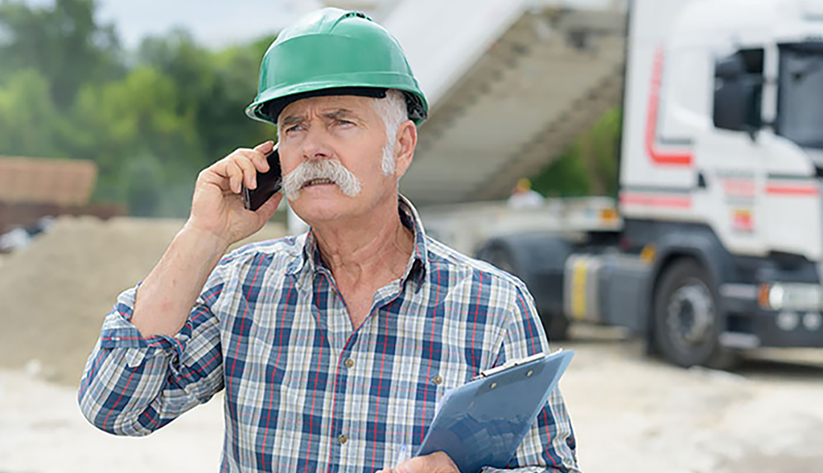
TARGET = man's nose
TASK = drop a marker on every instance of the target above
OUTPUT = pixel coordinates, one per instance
(316, 144)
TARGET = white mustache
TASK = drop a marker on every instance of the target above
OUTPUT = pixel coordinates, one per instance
(330, 169)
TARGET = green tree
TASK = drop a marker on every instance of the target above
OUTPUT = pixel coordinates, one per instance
(150, 121)
(29, 122)
(143, 179)
(62, 41)
(133, 117)
(565, 177)
(589, 166)
(222, 121)
(215, 86)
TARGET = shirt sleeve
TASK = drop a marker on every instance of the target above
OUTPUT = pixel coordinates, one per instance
(133, 385)
(549, 446)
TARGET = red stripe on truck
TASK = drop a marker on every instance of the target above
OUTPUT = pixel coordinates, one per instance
(782, 189)
(680, 202)
(659, 157)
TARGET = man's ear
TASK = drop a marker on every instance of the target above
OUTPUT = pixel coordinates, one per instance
(404, 147)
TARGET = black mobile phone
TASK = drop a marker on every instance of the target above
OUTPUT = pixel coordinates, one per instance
(268, 183)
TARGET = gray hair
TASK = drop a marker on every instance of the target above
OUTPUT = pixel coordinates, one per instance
(330, 169)
(393, 111)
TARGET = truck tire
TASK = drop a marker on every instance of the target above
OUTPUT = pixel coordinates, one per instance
(556, 325)
(687, 321)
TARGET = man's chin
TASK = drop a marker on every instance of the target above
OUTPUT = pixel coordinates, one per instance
(320, 206)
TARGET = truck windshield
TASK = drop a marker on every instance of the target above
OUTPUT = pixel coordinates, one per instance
(800, 104)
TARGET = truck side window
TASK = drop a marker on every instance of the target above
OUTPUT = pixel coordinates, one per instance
(738, 91)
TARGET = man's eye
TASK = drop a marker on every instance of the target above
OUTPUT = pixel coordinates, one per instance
(344, 122)
(294, 128)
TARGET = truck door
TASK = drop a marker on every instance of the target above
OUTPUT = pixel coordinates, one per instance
(729, 157)
(795, 148)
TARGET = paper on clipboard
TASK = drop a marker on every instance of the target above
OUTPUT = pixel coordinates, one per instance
(483, 422)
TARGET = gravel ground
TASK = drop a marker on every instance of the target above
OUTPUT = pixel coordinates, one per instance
(631, 414)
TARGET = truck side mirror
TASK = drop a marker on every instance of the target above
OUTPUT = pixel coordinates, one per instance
(737, 97)
(729, 105)
(730, 68)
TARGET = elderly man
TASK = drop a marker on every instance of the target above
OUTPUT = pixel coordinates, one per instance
(333, 347)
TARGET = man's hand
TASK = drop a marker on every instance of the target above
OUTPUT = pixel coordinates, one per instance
(437, 462)
(217, 206)
(218, 219)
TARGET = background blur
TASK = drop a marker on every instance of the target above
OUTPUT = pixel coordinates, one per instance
(152, 92)
(126, 101)
(150, 109)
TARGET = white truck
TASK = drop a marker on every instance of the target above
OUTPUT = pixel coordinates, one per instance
(722, 157)
(718, 245)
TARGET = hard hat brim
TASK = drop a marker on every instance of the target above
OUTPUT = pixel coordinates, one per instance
(271, 109)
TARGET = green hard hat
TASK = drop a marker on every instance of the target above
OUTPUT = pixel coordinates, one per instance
(334, 52)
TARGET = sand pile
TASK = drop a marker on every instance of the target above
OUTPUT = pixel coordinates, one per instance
(55, 293)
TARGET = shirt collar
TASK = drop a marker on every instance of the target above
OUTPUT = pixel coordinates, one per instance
(310, 263)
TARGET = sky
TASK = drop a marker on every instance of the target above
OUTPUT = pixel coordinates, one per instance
(214, 23)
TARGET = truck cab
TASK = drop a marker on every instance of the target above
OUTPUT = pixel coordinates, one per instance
(720, 174)
(714, 241)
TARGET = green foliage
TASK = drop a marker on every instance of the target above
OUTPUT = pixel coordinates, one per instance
(128, 119)
(29, 123)
(150, 120)
(62, 42)
(223, 122)
(589, 166)
(143, 185)
(215, 86)
(565, 177)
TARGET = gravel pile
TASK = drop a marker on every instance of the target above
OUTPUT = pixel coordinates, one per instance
(55, 293)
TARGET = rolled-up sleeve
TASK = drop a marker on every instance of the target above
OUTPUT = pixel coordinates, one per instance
(133, 385)
(549, 446)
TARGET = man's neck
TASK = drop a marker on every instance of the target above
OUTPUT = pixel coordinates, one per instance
(371, 249)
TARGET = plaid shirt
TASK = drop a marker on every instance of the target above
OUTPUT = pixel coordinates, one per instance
(306, 391)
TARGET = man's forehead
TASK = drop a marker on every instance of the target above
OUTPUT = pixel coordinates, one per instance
(351, 104)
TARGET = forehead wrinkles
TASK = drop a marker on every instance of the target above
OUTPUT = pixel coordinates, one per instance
(335, 105)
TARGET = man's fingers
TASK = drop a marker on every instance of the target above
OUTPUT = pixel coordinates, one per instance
(249, 171)
(265, 148)
(235, 175)
(240, 167)
(257, 159)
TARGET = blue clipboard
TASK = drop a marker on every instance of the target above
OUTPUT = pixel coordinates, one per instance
(483, 422)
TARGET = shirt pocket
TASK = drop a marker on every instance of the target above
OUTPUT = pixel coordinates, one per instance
(428, 392)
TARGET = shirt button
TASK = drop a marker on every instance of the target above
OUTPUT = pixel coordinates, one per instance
(438, 380)
(349, 363)
(342, 439)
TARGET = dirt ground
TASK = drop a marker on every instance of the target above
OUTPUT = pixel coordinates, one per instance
(630, 413)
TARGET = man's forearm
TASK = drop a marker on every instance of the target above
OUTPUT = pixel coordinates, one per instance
(166, 296)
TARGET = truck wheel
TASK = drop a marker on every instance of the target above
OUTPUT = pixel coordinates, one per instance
(687, 322)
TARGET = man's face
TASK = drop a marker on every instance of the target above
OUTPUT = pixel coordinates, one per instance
(342, 129)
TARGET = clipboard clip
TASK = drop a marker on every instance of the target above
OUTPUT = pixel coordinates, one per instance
(509, 365)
